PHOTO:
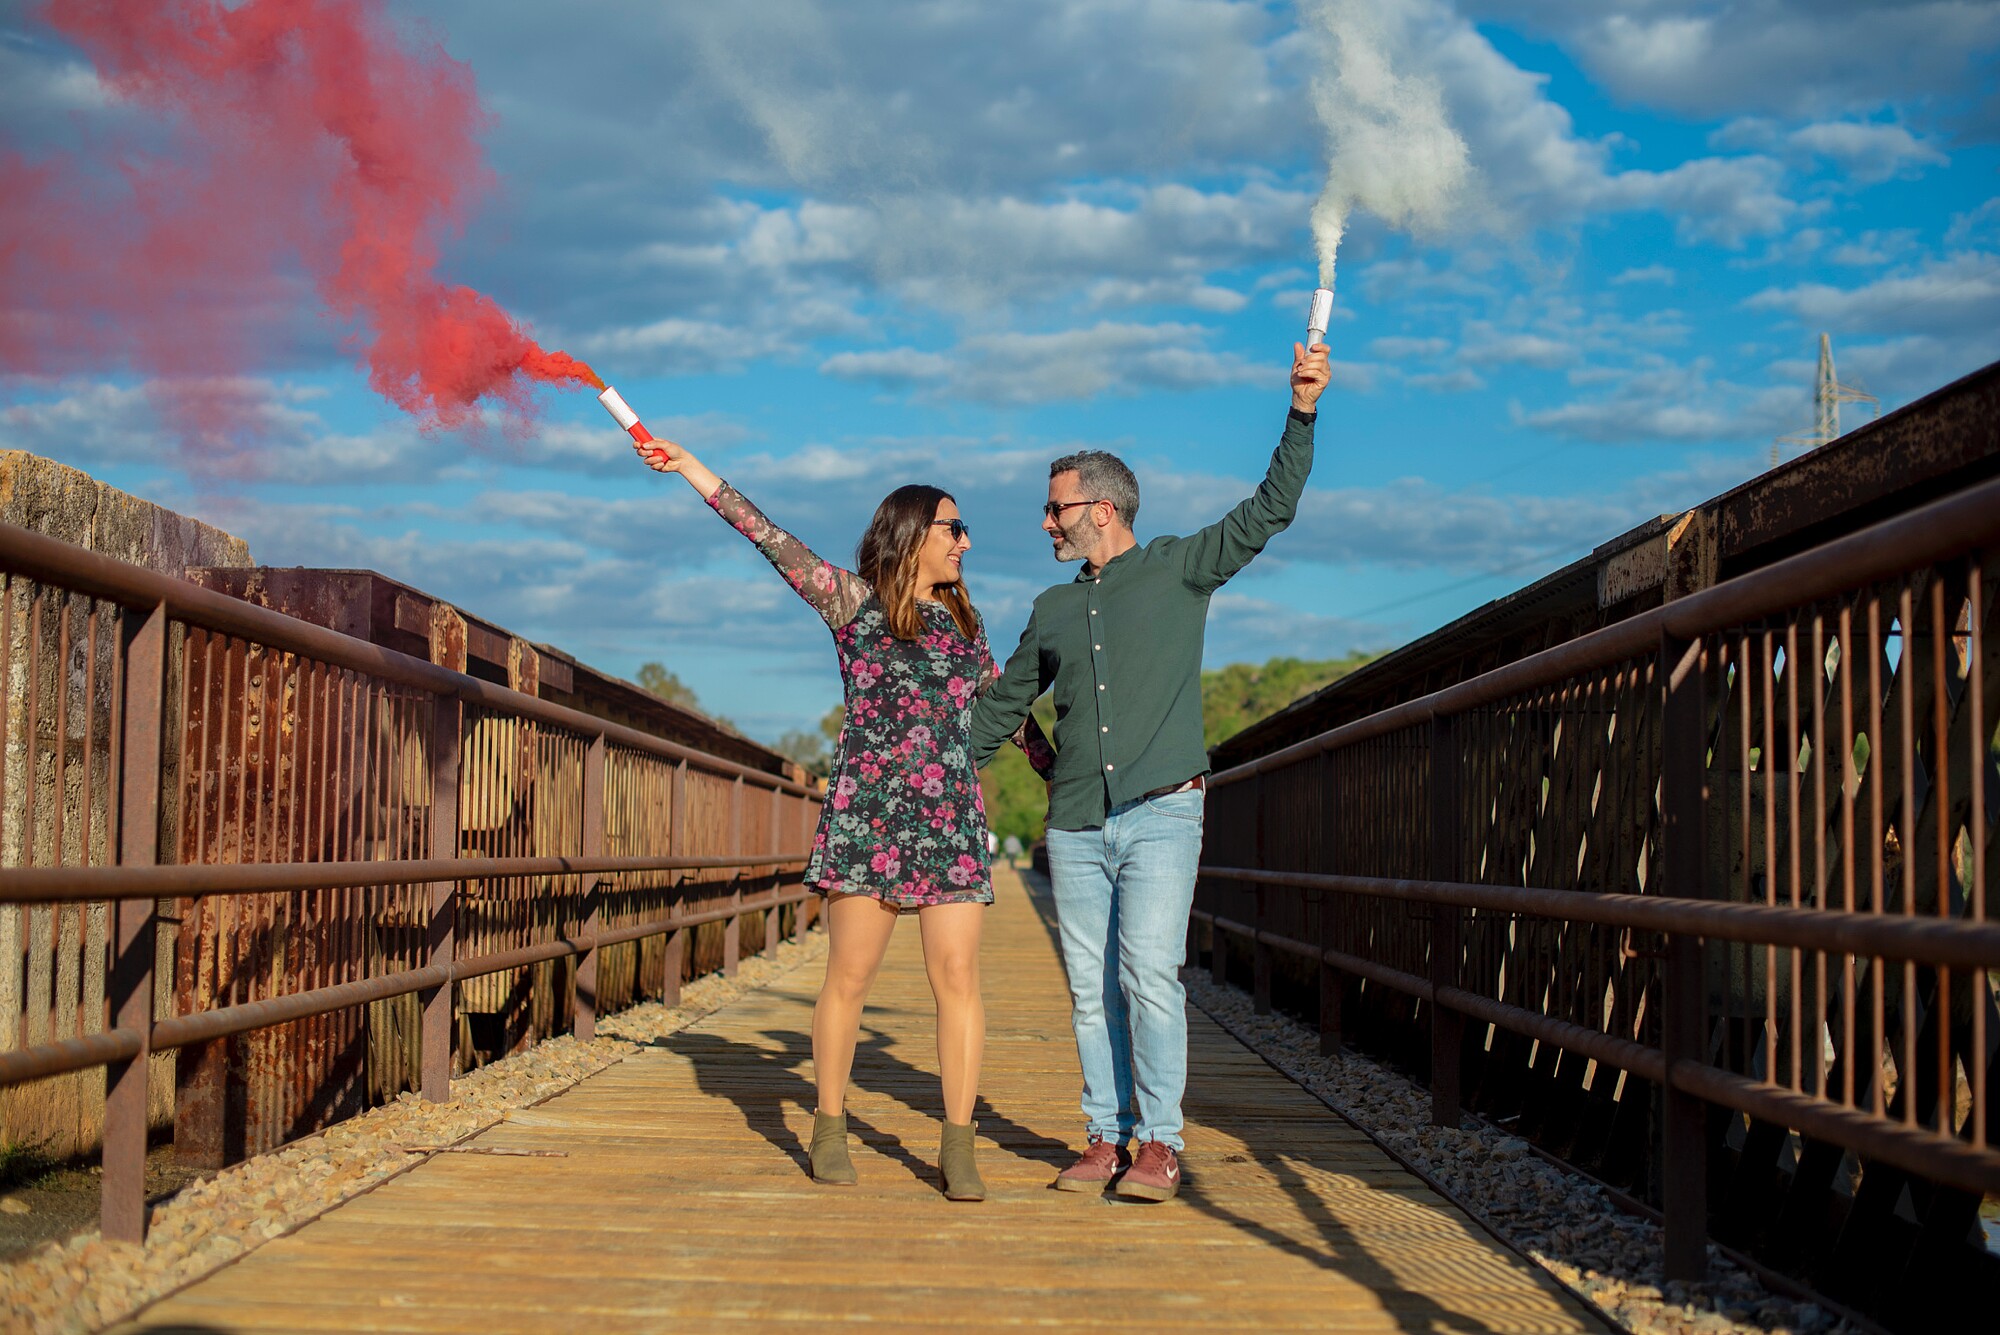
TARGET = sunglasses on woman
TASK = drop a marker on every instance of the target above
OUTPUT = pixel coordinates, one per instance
(958, 527)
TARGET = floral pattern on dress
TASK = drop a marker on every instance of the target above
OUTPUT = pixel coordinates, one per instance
(904, 819)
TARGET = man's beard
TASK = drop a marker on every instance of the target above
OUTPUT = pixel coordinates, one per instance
(1077, 543)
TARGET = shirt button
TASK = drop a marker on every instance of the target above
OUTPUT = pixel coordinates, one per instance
(1111, 767)
(1102, 728)
(1093, 611)
(1098, 647)
(1100, 685)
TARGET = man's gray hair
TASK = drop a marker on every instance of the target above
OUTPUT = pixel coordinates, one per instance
(1103, 477)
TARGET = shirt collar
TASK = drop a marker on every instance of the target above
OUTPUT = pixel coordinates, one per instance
(1084, 576)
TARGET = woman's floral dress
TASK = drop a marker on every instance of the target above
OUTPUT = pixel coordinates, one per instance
(904, 819)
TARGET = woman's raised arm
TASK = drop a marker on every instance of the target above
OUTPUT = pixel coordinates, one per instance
(834, 593)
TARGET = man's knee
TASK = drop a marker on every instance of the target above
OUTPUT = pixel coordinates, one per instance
(1151, 982)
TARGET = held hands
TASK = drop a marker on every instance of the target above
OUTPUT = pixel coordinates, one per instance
(1310, 374)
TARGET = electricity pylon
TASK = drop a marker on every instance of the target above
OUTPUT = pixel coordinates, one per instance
(1828, 395)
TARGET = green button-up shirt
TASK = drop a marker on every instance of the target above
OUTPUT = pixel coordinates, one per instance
(1122, 648)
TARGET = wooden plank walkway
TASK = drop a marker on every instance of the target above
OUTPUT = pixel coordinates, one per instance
(683, 1204)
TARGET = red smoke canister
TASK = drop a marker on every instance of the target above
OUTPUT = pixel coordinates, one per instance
(621, 411)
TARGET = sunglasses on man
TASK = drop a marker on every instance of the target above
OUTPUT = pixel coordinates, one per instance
(1054, 509)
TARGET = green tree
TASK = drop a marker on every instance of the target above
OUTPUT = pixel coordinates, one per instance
(1234, 697)
(655, 678)
(814, 749)
(1017, 799)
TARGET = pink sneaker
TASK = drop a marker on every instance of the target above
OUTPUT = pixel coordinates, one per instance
(1095, 1167)
(1154, 1176)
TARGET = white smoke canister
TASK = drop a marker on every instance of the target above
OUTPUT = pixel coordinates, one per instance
(1319, 317)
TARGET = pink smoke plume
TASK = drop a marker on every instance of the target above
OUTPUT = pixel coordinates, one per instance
(282, 145)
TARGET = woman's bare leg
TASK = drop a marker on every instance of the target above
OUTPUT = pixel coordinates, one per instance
(951, 958)
(857, 929)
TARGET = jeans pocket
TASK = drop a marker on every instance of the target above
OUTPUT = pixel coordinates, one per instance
(1187, 806)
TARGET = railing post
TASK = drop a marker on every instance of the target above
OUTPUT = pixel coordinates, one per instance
(438, 1025)
(1260, 953)
(1447, 1025)
(122, 1204)
(1684, 1027)
(732, 931)
(1260, 960)
(675, 963)
(1332, 985)
(802, 917)
(441, 928)
(773, 914)
(584, 1017)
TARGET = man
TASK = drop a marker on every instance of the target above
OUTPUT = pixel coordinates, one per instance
(1121, 646)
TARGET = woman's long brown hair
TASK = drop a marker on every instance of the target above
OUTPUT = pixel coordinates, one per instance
(887, 559)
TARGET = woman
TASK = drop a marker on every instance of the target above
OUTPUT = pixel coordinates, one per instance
(904, 824)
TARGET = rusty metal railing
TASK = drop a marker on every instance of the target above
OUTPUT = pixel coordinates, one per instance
(1717, 881)
(297, 826)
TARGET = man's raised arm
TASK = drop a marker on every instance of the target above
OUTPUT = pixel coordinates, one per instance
(1211, 555)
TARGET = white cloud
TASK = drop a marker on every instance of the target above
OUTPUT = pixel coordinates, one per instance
(1388, 281)
(1710, 58)
(1125, 292)
(899, 368)
(1537, 170)
(1866, 151)
(1519, 349)
(1634, 417)
(248, 430)
(1869, 152)
(676, 345)
(216, 427)
(1125, 246)
(1958, 294)
(1396, 349)
(1975, 225)
(1244, 628)
(1659, 401)
(1460, 381)
(1874, 248)
(1419, 525)
(1024, 368)
(1650, 273)
(1726, 200)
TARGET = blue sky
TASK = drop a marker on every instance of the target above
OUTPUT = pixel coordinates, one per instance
(840, 247)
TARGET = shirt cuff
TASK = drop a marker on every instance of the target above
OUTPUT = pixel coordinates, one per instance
(1297, 416)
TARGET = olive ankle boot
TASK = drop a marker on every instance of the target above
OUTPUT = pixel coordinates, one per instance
(830, 1163)
(957, 1166)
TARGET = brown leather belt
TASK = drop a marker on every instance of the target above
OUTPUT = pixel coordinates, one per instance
(1194, 785)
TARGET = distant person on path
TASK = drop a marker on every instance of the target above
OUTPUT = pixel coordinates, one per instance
(1121, 646)
(904, 824)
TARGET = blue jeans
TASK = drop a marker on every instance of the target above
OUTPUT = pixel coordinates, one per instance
(1122, 899)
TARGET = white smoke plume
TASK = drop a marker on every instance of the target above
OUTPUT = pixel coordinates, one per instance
(1391, 148)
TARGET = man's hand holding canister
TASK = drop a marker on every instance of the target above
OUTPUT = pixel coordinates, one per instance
(1310, 373)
